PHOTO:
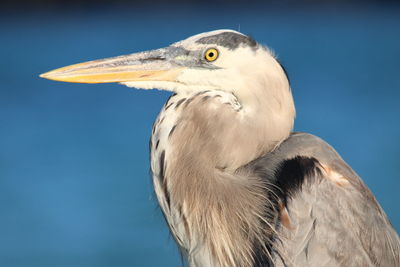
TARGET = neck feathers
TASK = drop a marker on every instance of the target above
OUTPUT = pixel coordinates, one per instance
(215, 213)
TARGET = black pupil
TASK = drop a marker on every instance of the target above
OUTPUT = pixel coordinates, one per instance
(211, 54)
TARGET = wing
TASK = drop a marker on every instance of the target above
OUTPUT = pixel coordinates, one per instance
(327, 215)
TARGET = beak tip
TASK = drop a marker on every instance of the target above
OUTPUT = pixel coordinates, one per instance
(45, 75)
(50, 75)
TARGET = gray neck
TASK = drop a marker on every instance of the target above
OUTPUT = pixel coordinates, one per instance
(198, 143)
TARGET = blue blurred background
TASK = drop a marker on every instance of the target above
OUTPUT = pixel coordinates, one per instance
(74, 181)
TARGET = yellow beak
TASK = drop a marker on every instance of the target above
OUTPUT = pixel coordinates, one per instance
(144, 66)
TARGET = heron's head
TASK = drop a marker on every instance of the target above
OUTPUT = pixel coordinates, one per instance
(219, 60)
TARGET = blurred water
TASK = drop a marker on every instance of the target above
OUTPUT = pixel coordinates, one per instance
(74, 182)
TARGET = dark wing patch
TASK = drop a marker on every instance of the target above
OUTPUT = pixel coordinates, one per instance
(230, 40)
(291, 174)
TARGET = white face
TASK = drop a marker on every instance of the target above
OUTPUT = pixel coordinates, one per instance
(236, 67)
(230, 70)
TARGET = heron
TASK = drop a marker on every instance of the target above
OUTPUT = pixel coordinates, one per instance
(236, 185)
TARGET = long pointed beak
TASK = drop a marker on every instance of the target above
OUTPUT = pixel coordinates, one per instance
(145, 66)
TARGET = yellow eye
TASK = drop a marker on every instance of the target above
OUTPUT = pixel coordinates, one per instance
(211, 54)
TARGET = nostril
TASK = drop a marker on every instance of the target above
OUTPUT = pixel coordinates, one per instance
(153, 58)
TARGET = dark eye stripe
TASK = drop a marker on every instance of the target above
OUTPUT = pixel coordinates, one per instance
(230, 40)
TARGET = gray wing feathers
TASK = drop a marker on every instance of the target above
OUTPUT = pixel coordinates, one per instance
(333, 224)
